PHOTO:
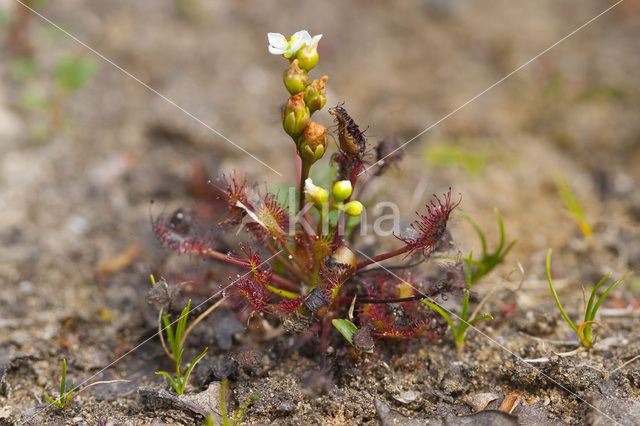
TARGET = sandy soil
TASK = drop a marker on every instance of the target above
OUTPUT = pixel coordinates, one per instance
(76, 195)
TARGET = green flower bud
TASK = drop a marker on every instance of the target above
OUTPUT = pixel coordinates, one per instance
(308, 55)
(295, 116)
(295, 78)
(342, 190)
(315, 194)
(353, 208)
(315, 95)
(312, 143)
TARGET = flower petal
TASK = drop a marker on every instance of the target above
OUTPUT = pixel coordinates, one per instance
(278, 43)
(298, 40)
(316, 39)
(277, 40)
(276, 51)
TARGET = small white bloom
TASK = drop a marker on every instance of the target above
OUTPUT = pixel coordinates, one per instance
(312, 43)
(279, 45)
(298, 40)
(315, 194)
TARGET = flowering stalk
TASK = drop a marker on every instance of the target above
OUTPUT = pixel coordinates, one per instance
(304, 175)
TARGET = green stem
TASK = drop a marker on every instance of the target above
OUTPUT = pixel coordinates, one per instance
(223, 405)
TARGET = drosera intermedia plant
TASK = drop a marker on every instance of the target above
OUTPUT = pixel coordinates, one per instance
(583, 331)
(464, 322)
(299, 266)
(176, 346)
(488, 261)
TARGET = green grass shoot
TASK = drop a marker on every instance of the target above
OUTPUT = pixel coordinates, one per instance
(583, 330)
(65, 396)
(488, 261)
(175, 345)
(464, 323)
(573, 207)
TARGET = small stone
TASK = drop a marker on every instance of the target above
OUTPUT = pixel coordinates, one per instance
(406, 397)
(224, 326)
(5, 412)
(249, 360)
(162, 294)
(479, 401)
(362, 339)
(221, 367)
(314, 383)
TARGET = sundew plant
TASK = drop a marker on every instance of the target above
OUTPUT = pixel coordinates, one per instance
(300, 266)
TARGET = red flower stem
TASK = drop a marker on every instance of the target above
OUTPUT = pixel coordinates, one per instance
(381, 257)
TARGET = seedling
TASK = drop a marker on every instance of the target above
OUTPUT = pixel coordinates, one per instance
(463, 323)
(177, 350)
(74, 72)
(488, 261)
(573, 207)
(584, 329)
(71, 74)
(65, 395)
(237, 416)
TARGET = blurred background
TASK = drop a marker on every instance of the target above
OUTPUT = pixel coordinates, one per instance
(85, 147)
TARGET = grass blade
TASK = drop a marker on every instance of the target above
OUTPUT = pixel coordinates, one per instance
(605, 294)
(555, 295)
(193, 364)
(480, 318)
(587, 312)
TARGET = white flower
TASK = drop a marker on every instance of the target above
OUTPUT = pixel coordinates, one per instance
(279, 45)
(315, 194)
(312, 44)
(308, 55)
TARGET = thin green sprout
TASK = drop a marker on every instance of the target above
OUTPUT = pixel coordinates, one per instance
(573, 207)
(583, 331)
(175, 344)
(464, 323)
(65, 396)
(238, 415)
(488, 261)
